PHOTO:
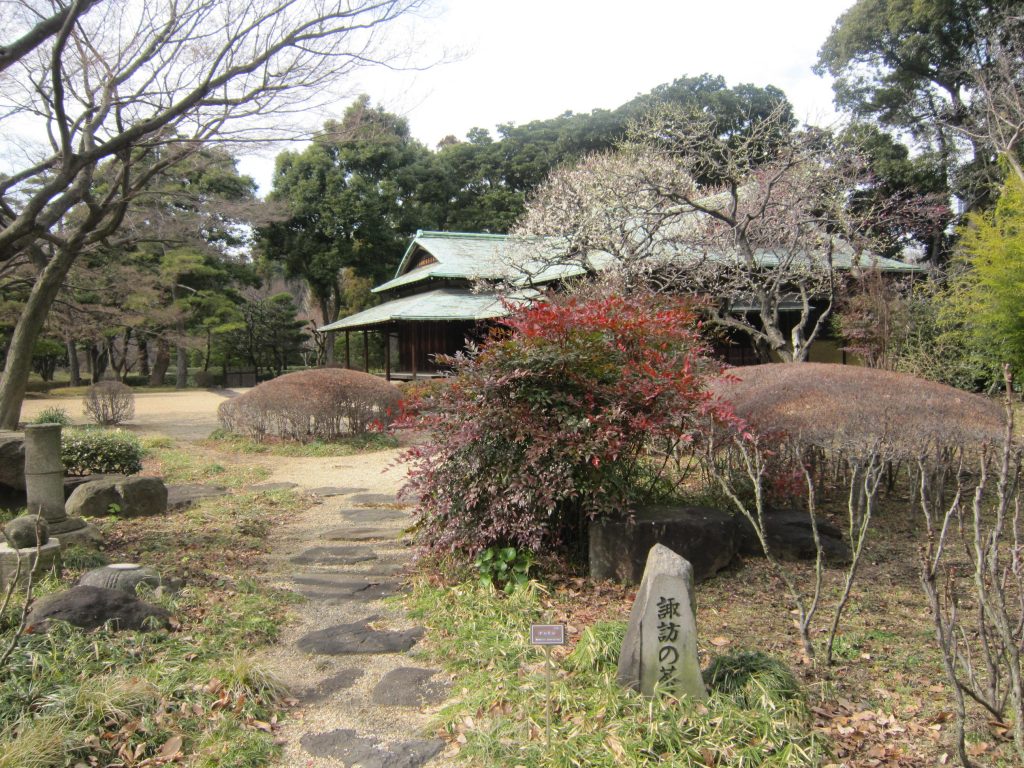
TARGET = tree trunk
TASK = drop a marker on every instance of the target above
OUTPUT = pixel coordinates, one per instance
(74, 375)
(329, 348)
(143, 346)
(181, 369)
(26, 331)
(161, 363)
(99, 362)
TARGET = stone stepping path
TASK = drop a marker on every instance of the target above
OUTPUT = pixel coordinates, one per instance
(375, 515)
(362, 534)
(410, 687)
(374, 498)
(358, 637)
(328, 491)
(334, 588)
(344, 744)
(334, 556)
(364, 700)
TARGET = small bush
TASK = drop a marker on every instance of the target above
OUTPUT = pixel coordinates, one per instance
(95, 451)
(109, 403)
(549, 425)
(52, 415)
(324, 404)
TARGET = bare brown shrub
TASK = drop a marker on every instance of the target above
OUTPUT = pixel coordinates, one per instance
(322, 404)
(846, 407)
(822, 428)
(109, 402)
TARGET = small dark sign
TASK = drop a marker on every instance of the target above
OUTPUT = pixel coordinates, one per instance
(547, 634)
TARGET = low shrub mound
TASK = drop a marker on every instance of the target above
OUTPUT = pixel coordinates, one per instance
(323, 404)
(836, 406)
(100, 451)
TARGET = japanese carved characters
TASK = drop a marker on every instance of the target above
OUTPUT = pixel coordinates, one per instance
(660, 647)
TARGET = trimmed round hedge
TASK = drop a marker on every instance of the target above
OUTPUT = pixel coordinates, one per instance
(846, 406)
(323, 404)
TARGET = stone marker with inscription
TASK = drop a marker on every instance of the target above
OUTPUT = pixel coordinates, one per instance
(660, 646)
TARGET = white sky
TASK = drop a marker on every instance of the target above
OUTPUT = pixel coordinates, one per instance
(535, 59)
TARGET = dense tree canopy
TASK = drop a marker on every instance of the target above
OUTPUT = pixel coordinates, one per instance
(910, 66)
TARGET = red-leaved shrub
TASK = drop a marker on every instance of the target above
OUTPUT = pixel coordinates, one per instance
(545, 427)
(322, 404)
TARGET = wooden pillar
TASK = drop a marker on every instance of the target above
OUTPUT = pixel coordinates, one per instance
(348, 348)
(413, 338)
(366, 351)
(387, 355)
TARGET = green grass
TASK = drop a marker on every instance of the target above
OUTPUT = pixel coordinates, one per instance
(755, 716)
(187, 465)
(226, 441)
(70, 697)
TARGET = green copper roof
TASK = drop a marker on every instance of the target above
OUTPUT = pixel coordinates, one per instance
(438, 305)
(469, 256)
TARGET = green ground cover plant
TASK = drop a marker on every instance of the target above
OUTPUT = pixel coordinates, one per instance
(756, 714)
(346, 445)
(87, 451)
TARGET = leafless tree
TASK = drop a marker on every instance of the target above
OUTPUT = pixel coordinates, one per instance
(998, 91)
(972, 570)
(116, 93)
(753, 221)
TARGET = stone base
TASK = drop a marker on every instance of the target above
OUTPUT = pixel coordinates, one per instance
(38, 561)
(86, 536)
(707, 538)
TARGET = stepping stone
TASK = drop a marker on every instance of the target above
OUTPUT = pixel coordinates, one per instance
(334, 556)
(184, 496)
(380, 569)
(330, 490)
(375, 498)
(331, 590)
(273, 486)
(362, 534)
(345, 745)
(358, 637)
(413, 754)
(376, 515)
(410, 687)
(323, 689)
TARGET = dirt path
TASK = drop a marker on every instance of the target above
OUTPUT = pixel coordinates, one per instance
(187, 415)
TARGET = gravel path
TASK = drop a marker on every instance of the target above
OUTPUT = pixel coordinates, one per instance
(187, 415)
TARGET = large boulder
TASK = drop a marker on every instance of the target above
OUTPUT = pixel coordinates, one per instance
(707, 538)
(12, 459)
(92, 607)
(123, 496)
(790, 537)
(143, 496)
